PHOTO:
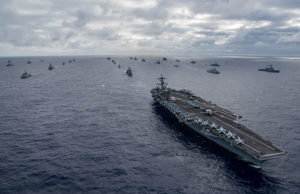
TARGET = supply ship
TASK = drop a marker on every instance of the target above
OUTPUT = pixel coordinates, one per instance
(215, 123)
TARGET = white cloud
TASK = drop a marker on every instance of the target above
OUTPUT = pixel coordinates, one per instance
(170, 26)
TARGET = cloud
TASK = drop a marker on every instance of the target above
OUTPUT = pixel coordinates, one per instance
(171, 26)
(290, 38)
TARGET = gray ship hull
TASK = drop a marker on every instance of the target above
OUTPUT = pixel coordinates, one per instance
(243, 154)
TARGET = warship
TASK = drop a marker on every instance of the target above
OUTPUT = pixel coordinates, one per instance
(25, 75)
(129, 72)
(50, 67)
(215, 64)
(215, 123)
(9, 63)
(213, 70)
(193, 62)
(269, 69)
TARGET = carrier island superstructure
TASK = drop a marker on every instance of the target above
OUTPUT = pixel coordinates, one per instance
(215, 123)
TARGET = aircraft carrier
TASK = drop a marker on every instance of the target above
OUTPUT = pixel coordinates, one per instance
(215, 123)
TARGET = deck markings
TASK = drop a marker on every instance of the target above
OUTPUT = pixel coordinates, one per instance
(228, 114)
(252, 148)
(244, 133)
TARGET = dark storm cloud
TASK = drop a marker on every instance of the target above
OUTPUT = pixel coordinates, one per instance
(180, 27)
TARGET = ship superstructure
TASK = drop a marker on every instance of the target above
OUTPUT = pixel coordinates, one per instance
(215, 123)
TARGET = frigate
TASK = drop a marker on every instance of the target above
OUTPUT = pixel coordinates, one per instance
(215, 123)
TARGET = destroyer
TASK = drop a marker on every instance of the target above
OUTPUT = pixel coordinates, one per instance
(269, 69)
(215, 123)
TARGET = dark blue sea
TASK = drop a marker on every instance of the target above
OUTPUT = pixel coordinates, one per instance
(86, 127)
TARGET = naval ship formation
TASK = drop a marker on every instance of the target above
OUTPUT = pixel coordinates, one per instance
(215, 123)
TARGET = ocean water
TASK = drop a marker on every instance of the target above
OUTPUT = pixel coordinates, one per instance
(87, 127)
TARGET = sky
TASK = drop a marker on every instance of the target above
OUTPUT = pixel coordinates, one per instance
(150, 27)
